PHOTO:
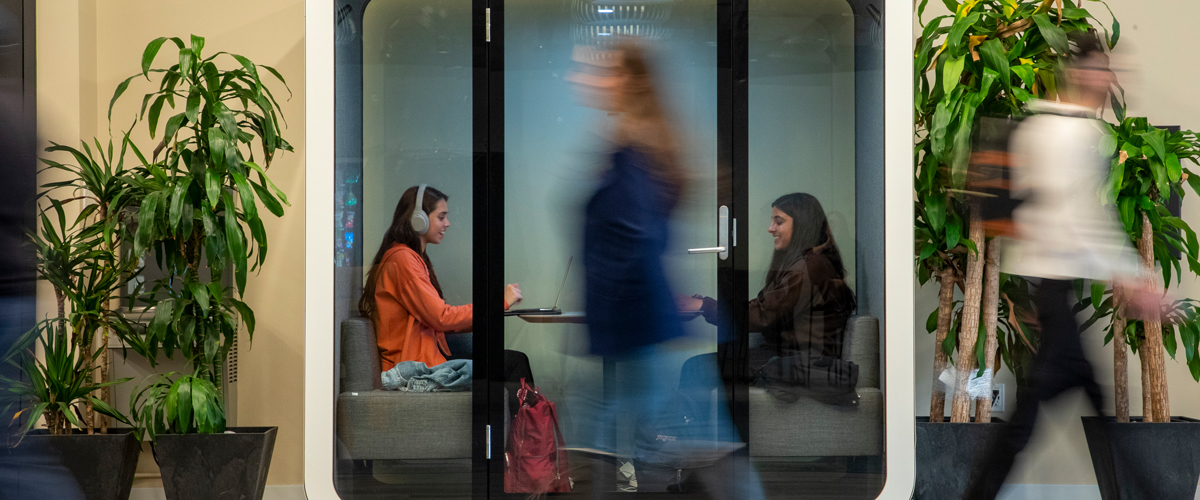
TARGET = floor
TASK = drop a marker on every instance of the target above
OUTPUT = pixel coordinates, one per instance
(806, 479)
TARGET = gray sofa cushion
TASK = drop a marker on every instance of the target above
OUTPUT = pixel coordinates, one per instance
(360, 356)
(382, 425)
(375, 424)
(862, 347)
(809, 428)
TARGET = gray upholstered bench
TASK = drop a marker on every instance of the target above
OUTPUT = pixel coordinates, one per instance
(375, 424)
(809, 428)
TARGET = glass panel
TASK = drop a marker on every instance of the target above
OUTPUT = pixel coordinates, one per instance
(415, 113)
(803, 245)
(560, 180)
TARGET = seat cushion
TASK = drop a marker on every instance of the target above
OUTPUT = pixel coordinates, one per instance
(391, 425)
(360, 356)
(808, 428)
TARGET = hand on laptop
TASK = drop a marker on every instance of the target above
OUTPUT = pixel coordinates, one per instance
(512, 295)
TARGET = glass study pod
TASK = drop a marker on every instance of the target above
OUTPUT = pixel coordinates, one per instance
(704, 203)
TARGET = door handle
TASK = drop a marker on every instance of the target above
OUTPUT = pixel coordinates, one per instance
(722, 248)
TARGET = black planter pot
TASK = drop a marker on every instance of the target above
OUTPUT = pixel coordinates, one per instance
(1138, 460)
(216, 466)
(102, 464)
(945, 455)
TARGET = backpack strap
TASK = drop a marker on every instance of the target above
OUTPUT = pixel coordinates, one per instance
(558, 439)
(521, 393)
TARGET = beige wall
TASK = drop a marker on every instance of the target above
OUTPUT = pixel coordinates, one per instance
(85, 49)
(1156, 68)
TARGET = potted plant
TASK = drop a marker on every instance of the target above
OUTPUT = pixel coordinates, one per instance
(1128, 455)
(202, 188)
(81, 259)
(986, 58)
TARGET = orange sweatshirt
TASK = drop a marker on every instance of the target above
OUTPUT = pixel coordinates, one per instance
(413, 319)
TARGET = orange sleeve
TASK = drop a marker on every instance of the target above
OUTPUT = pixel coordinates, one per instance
(408, 282)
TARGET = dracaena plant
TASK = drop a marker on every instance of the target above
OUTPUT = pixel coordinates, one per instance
(985, 58)
(204, 189)
(62, 386)
(58, 387)
(1147, 170)
(87, 262)
(177, 405)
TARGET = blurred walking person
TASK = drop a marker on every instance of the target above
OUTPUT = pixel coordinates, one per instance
(28, 468)
(1062, 233)
(631, 310)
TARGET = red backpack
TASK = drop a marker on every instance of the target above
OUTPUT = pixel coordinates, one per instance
(533, 462)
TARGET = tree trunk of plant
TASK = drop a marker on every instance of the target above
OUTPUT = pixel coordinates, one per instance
(89, 414)
(1154, 342)
(947, 278)
(960, 408)
(104, 308)
(62, 311)
(1147, 403)
(1120, 359)
(991, 311)
(104, 375)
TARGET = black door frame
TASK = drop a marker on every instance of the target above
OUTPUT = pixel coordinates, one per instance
(488, 177)
(732, 139)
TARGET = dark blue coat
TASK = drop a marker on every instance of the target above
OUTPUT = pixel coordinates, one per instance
(629, 303)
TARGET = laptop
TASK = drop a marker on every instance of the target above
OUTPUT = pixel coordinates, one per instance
(552, 311)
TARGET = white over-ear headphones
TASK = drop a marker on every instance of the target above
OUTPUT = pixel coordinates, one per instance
(420, 219)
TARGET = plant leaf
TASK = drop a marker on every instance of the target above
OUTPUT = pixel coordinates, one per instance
(1054, 35)
(951, 72)
(117, 94)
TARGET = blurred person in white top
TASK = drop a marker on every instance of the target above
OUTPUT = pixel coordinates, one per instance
(1063, 232)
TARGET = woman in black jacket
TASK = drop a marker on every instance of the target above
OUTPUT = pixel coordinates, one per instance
(802, 309)
(805, 302)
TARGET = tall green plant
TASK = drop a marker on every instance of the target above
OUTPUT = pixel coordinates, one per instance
(1147, 169)
(203, 188)
(987, 58)
(91, 275)
(86, 277)
(58, 385)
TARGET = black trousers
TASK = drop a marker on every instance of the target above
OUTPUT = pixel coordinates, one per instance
(516, 367)
(1059, 366)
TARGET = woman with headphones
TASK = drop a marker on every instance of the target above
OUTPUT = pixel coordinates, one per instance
(404, 300)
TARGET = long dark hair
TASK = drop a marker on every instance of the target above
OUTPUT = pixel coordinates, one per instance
(401, 231)
(810, 233)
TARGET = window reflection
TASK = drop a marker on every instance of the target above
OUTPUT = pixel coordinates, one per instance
(404, 406)
(805, 397)
(815, 406)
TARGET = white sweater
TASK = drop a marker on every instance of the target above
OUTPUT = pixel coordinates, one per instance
(1063, 232)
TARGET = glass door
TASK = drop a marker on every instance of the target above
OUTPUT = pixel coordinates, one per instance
(810, 268)
(628, 237)
(686, 194)
(409, 147)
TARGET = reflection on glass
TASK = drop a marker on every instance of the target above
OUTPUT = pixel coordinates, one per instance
(405, 111)
(396, 436)
(816, 410)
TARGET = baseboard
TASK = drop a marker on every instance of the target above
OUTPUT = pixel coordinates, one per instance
(1010, 492)
(1049, 492)
(273, 492)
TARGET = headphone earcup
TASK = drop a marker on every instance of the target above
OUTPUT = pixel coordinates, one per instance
(420, 222)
